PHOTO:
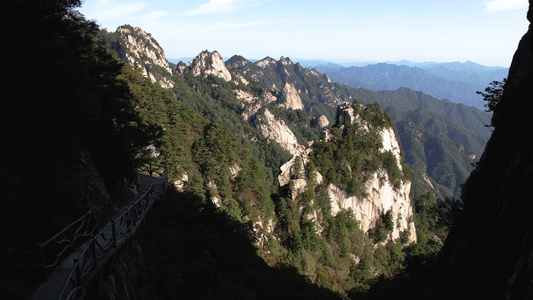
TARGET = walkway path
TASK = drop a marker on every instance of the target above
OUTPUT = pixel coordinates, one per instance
(69, 278)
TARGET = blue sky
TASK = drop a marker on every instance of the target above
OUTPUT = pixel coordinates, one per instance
(483, 31)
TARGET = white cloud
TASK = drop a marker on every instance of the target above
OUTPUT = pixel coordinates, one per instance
(214, 6)
(505, 5)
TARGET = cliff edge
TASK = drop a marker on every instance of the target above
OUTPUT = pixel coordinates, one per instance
(488, 253)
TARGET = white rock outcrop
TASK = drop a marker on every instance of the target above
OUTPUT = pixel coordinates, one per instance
(390, 143)
(377, 195)
(276, 129)
(252, 104)
(181, 181)
(345, 114)
(210, 63)
(288, 169)
(285, 61)
(381, 197)
(290, 99)
(322, 122)
(244, 96)
(143, 51)
(266, 62)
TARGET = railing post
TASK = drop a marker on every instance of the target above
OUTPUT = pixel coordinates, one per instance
(114, 231)
(127, 215)
(78, 272)
(43, 260)
(93, 252)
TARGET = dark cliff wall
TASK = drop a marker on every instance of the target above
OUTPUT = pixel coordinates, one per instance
(489, 252)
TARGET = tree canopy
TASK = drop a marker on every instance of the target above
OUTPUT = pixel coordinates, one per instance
(493, 94)
(66, 106)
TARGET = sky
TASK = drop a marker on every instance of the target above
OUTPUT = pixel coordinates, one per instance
(483, 31)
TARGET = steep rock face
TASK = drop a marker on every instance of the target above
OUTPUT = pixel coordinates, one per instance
(488, 253)
(271, 127)
(142, 50)
(380, 196)
(345, 114)
(210, 63)
(322, 122)
(126, 279)
(290, 169)
(290, 98)
(250, 103)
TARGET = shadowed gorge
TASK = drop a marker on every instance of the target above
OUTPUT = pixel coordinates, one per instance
(209, 255)
(488, 252)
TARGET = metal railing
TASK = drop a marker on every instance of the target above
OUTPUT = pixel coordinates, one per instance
(61, 244)
(97, 247)
(97, 250)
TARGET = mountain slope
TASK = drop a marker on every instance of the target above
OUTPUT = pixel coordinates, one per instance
(458, 128)
(294, 227)
(263, 121)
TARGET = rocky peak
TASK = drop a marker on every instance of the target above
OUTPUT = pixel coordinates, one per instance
(142, 50)
(380, 194)
(285, 61)
(210, 63)
(290, 98)
(181, 67)
(266, 62)
(345, 114)
(237, 61)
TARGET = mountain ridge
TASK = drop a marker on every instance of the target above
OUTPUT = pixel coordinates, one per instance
(457, 82)
(272, 107)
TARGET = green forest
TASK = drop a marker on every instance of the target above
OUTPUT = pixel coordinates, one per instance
(78, 125)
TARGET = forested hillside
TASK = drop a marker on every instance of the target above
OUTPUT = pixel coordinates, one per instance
(277, 110)
(440, 139)
(296, 166)
(227, 160)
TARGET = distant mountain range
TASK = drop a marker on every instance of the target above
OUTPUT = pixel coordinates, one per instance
(455, 81)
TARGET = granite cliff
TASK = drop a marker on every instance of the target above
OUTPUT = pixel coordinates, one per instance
(139, 49)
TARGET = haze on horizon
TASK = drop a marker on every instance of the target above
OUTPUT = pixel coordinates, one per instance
(483, 31)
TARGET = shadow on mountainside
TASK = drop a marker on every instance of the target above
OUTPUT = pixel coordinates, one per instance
(194, 251)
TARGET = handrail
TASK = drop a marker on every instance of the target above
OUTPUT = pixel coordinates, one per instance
(99, 246)
(56, 248)
(119, 229)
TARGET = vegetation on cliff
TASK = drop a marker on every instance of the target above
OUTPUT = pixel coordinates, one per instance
(353, 152)
(78, 127)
